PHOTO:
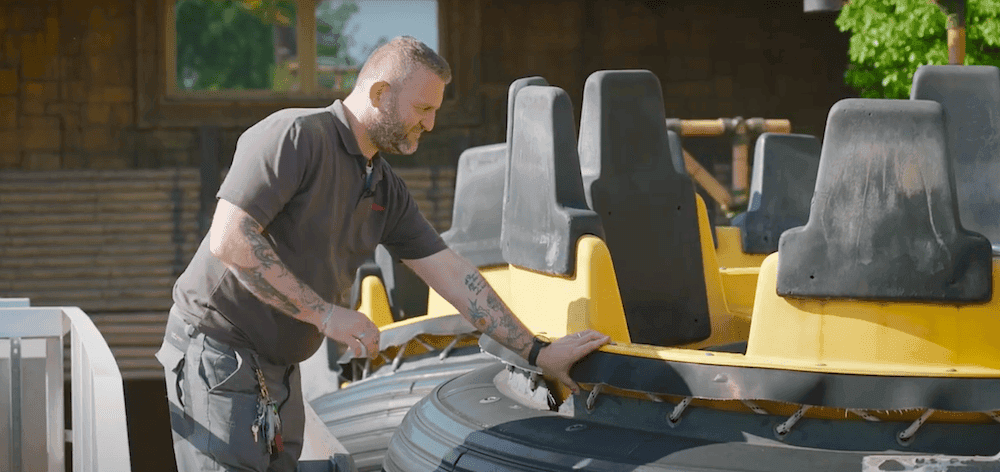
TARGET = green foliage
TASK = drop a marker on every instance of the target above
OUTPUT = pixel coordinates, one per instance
(247, 44)
(332, 42)
(891, 38)
(222, 45)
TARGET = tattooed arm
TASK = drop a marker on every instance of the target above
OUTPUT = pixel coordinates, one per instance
(237, 240)
(465, 288)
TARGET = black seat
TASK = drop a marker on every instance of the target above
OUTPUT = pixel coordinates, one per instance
(970, 96)
(479, 192)
(475, 220)
(545, 210)
(640, 189)
(781, 189)
(884, 223)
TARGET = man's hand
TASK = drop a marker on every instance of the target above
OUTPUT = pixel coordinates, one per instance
(557, 358)
(353, 329)
(465, 288)
(236, 240)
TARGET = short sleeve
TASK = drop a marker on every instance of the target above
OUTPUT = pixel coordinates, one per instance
(411, 237)
(267, 169)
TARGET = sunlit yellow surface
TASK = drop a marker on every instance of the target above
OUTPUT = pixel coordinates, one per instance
(729, 325)
(588, 299)
(497, 277)
(730, 251)
(925, 335)
(557, 305)
(374, 301)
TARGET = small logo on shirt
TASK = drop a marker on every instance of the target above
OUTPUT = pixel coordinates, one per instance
(377, 207)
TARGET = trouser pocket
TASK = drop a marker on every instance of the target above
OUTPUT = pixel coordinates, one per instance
(172, 360)
(229, 405)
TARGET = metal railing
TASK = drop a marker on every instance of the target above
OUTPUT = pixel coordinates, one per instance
(14, 302)
(32, 417)
(741, 130)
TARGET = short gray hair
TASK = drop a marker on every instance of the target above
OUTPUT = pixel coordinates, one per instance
(397, 59)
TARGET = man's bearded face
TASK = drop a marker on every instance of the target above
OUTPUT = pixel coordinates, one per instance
(391, 134)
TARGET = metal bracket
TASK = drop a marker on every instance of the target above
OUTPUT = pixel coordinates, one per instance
(450, 346)
(675, 416)
(399, 358)
(784, 428)
(864, 414)
(594, 392)
(755, 407)
(905, 437)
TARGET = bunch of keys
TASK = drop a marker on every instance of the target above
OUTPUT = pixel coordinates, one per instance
(267, 420)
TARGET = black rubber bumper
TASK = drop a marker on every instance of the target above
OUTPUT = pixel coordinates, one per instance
(468, 424)
(365, 414)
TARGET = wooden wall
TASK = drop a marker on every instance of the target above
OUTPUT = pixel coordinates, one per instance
(81, 82)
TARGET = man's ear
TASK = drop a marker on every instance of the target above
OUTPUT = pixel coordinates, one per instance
(377, 92)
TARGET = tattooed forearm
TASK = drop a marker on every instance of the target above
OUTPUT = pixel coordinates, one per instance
(499, 323)
(263, 273)
(518, 338)
(475, 282)
(480, 317)
(493, 301)
(261, 249)
(254, 281)
(309, 297)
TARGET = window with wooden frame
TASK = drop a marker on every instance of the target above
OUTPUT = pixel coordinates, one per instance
(168, 99)
(266, 49)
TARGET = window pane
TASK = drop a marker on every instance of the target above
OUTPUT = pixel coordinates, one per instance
(236, 45)
(347, 31)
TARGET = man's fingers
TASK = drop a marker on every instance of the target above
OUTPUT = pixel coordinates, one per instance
(590, 335)
(566, 380)
(596, 343)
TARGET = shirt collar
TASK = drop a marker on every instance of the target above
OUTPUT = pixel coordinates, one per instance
(351, 142)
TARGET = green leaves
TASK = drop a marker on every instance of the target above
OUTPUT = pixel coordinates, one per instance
(250, 44)
(223, 45)
(891, 38)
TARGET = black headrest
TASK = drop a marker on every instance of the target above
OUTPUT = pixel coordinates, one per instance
(475, 221)
(884, 220)
(512, 91)
(646, 201)
(479, 192)
(545, 210)
(970, 96)
(781, 189)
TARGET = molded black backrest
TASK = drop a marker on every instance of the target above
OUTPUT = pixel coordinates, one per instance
(646, 201)
(781, 189)
(480, 184)
(406, 291)
(476, 217)
(545, 211)
(512, 91)
(970, 96)
(884, 218)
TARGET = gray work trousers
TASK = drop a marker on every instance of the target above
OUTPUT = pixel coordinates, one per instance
(213, 393)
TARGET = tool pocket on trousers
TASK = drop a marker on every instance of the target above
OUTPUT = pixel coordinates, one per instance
(172, 359)
(226, 369)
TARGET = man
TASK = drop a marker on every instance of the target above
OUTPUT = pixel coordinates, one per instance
(306, 201)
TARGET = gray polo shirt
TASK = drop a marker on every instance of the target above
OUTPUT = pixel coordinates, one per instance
(300, 174)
